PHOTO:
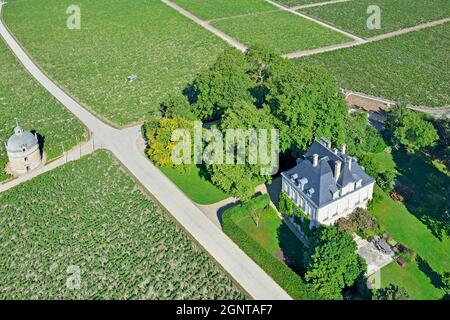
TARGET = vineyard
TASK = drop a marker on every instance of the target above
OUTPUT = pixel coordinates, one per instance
(291, 3)
(90, 216)
(216, 9)
(22, 98)
(410, 69)
(279, 30)
(395, 14)
(117, 38)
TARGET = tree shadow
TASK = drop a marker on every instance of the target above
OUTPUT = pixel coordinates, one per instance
(223, 209)
(190, 93)
(41, 141)
(434, 277)
(204, 172)
(425, 190)
(292, 249)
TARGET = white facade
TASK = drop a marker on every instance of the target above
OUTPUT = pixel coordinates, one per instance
(348, 199)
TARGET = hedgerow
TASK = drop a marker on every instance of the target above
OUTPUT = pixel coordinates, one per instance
(290, 281)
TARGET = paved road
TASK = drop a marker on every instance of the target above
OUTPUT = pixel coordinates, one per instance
(123, 144)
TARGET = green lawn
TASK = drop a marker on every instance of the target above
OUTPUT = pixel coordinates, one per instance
(195, 186)
(280, 30)
(214, 9)
(270, 244)
(395, 14)
(412, 68)
(23, 98)
(416, 283)
(407, 229)
(92, 215)
(385, 160)
(117, 38)
(420, 223)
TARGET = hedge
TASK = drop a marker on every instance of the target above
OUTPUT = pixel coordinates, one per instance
(290, 281)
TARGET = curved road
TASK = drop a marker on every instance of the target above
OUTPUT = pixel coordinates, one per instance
(123, 144)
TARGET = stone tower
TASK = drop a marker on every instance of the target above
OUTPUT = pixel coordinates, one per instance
(23, 152)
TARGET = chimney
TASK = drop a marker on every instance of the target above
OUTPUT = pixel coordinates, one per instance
(326, 142)
(349, 161)
(335, 151)
(337, 169)
(315, 160)
(344, 148)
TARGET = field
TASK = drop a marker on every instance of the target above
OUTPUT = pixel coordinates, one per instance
(291, 3)
(395, 14)
(91, 216)
(35, 109)
(117, 38)
(279, 30)
(410, 69)
(197, 188)
(216, 9)
(270, 244)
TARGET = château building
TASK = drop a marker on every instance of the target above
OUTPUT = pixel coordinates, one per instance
(327, 184)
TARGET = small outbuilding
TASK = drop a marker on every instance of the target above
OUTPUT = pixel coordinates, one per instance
(23, 152)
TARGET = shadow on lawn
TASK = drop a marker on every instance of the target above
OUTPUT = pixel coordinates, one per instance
(291, 249)
(435, 278)
(425, 190)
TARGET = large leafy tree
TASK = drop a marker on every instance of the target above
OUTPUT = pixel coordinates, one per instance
(240, 180)
(360, 136)
(332, 262)
(410, 130)
(306, 100)
(175, 106)
(222, 85)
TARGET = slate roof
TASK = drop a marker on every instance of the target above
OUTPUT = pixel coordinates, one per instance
(321, 178)
(21, 139)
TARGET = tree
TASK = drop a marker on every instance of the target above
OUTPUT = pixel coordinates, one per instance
(332, 262)
(176, 106)
(159, 134)
(307, 102)
(241, 179)
(222, 85)
(410, 130)
(391, 292)
(445, 279)
(372, 167)
(361, 137)
(386, 180)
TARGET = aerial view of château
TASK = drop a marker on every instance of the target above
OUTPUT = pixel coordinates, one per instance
(223, 152)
